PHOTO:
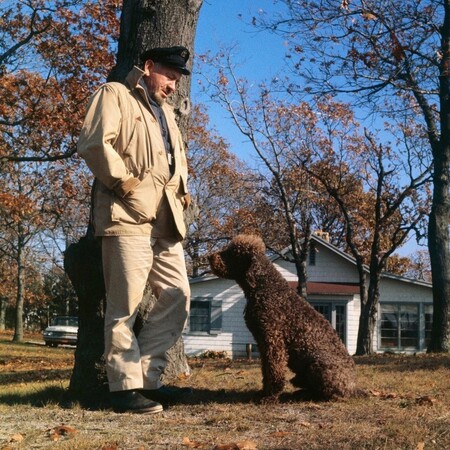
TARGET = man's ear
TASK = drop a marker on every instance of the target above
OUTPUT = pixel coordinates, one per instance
(148, 67)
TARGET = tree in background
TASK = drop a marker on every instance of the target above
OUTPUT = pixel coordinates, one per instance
(223, 193)
(261, 123)
(390, 204)
(60, 295)
(378, 191)
(52, 53)
(417, 266)
(393, 59)
(275, 128)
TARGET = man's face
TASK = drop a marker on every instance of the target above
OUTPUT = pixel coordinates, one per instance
(161, 81)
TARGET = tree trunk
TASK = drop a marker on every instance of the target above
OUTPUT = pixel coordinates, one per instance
(83, 265)
(363, 343)
(438, 245)
(3, 301)
(144, 24)
(18, 332)
(438, 232)
(368, 318)
(440, 269)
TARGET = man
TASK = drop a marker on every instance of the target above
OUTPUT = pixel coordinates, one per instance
(132, 144)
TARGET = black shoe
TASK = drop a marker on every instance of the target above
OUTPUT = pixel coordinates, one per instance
(167, 394)
(134, 402)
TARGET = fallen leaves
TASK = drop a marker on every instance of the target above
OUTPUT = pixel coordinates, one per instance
(244, 445)
(192, 444)
(425, 400)
(241, 445)
(60, 431)
(16, 438)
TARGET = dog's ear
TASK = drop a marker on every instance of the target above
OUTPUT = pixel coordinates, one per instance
(251, 279)
(254, 272)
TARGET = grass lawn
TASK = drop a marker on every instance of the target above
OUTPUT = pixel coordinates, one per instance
(408, 408)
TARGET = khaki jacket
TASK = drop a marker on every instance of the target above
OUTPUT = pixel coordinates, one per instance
(121, 142)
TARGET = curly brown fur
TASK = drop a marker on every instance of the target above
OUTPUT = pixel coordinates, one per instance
(288, 330)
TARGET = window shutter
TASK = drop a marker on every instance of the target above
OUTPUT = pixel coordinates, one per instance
(216, 317)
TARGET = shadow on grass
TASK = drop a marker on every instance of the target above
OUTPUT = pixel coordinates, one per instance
(62, 397)
(49, 395)
(34, 376)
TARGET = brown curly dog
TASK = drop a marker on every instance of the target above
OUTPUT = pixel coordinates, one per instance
(288, 330)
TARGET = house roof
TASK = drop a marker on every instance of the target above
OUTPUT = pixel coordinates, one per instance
(315, 288)
(331, 288)
(352, 260)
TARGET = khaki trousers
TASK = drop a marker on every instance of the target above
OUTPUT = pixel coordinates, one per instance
(128, 261)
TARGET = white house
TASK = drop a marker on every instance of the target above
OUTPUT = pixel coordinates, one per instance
(216, 321)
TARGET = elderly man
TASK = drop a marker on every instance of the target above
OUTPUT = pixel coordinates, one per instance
(132, 144)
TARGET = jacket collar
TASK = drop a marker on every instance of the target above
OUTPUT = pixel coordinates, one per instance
(133, 77)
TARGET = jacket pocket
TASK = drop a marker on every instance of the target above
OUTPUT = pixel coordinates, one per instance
(139, 206)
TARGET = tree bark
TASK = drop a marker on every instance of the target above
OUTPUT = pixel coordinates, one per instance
(144, 24)
(438, 243)
(438, 226)
(83, 265)
(20, 299)
(3, 301)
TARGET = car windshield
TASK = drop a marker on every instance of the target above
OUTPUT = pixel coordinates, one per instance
(66, 321)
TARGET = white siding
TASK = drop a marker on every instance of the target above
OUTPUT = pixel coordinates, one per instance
(353, 311)
(287, 269)
(234, 335)
(331, 267)
(392, 290)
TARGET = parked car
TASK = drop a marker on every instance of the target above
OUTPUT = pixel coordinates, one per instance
(63, 330)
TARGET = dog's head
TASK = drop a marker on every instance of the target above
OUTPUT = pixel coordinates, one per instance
(234, 260)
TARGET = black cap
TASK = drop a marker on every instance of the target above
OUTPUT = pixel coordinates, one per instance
(175, 57)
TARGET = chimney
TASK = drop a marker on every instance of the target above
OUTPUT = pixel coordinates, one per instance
(323, 235)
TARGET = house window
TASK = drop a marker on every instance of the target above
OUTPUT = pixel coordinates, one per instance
(205, 316)
(199, 319)
(336, 314)
(405, 326)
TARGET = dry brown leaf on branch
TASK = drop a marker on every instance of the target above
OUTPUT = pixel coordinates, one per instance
(62, 430)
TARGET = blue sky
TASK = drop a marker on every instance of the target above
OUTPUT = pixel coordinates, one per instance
(223, 24)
